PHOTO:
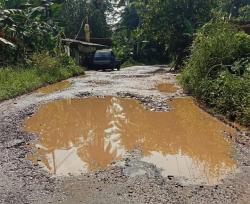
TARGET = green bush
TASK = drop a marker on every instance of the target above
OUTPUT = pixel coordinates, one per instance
(217, 72)
(131, 62)
(42, 69)
(244, 13)
(44, 62)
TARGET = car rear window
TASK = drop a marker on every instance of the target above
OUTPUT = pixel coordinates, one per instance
(102, 55)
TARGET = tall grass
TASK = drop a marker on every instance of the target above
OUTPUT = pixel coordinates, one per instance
(218, 71)
(41, 70)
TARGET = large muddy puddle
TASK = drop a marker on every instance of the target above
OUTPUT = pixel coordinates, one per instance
(81, 135)
(60, 86)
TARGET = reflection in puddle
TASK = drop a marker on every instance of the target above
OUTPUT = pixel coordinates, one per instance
(167, 88)
(54, 87)
(81, 135)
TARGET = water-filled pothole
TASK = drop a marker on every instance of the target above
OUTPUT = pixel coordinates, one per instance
(81, 135)
(167, 88)
(54, 87)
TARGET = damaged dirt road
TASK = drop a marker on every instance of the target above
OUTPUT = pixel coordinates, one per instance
(130, 136)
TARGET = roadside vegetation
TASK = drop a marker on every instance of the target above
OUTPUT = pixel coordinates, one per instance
(218, 70)
(41, 70)
(31, 53)
(159, 31)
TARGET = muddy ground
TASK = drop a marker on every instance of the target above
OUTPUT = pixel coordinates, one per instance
(21, 181)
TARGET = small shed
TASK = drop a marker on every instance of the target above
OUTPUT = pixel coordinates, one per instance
(81, 50)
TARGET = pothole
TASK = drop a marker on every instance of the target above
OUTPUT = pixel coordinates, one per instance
(82, 135)
(167, 88)
(60, 86)
(120, 76)
(99, 82)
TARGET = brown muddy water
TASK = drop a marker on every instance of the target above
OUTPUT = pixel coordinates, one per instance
(60, 86)
(81, 135)
(167, 88)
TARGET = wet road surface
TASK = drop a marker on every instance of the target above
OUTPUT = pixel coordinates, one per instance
(84, 135)
(119, 137)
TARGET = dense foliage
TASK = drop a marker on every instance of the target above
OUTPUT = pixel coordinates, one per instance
(41, 70)
(160, 29)
(30, 51)
(238, 9)
(174, 23)
(74, 14)
(37, 25)
(163, 30)
(24, 30)
(218, 71)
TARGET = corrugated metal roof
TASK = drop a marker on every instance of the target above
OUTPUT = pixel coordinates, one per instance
(67, 40)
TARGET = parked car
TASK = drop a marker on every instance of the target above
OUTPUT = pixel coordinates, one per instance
(105, 59)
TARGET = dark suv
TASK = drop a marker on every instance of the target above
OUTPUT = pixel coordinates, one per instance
(105, 59)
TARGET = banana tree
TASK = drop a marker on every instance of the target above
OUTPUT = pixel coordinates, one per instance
(25, 30)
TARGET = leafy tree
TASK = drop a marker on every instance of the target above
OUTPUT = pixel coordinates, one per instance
(125, 37)
(234, 7)
(97, 18)
(244, 13)
(78, 12)
(72, 16)
(23, 31)
(161, 27)
(173, 23)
